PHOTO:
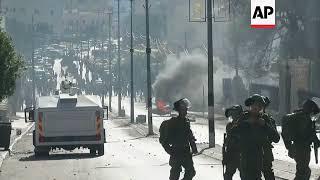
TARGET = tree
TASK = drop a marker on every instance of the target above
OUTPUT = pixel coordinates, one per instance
(300, 22)
(252, 49)
(11, 66)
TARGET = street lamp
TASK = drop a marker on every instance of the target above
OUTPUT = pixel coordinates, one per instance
(131, 67)
(109, 51)
(210, 77)
(148, 51)
(119, 72)
(209, 18)
(288, 88)
(32, 61)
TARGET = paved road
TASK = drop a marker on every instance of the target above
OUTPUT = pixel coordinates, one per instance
(128, 156)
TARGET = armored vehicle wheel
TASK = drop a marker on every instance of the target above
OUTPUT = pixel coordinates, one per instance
(93, 151)
(101, 150)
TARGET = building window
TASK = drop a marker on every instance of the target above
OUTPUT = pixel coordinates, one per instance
(23, 11)
(36, 11)
(51, 12)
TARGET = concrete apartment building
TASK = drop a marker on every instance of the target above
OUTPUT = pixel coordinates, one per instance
(54, 15)
(46, 14)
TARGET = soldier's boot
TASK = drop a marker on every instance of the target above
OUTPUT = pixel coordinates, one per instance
(175, 173)
(227, 176)
(231, 168)
(302, 158)
(303, 174)
(189, 174)
(232, 164)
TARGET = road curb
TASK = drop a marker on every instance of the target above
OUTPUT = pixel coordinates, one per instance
(142, 129)
(3, 156)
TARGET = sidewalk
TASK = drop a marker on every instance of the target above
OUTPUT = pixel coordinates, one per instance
(284, 167)
(18, 123)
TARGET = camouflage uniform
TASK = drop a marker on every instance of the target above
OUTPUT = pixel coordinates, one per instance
(267, 149)
(253, 138)
(177, 144)
(298, 134)
(232, 153)
(177, 138)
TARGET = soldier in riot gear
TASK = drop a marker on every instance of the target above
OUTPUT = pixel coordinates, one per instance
(231, 149)
(177, 138)
(267, 149)
(298, 133)
(254, 132)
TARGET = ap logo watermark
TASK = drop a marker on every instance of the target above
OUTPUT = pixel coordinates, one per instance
(263, 13)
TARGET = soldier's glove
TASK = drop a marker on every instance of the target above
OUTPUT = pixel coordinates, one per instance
(292, 152)
(195, 151)
(168, 150)
(194, 147)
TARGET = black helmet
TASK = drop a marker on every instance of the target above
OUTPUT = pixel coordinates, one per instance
(185, 101)
(235, 109)
(256, 98)
(310, 106)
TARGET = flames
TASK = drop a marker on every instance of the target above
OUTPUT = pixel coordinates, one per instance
(162, 106)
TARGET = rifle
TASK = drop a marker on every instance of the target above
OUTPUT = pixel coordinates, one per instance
(316, 154)
(224, 152)
(315, 145)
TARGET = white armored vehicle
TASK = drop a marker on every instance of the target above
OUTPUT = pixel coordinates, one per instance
(68, 121)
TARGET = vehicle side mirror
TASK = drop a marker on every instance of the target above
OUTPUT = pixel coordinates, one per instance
(30, 111)
(31, 115)
(106, 109)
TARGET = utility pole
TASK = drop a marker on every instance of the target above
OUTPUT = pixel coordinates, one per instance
(33, 70)
(210, 75)
(288, 88)
(148, 51)
(88, 49)
(110, 57)
(119, 72)
(81, 62)
(185, 41)
(210, 16)
(131, 68)
(103, 79)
